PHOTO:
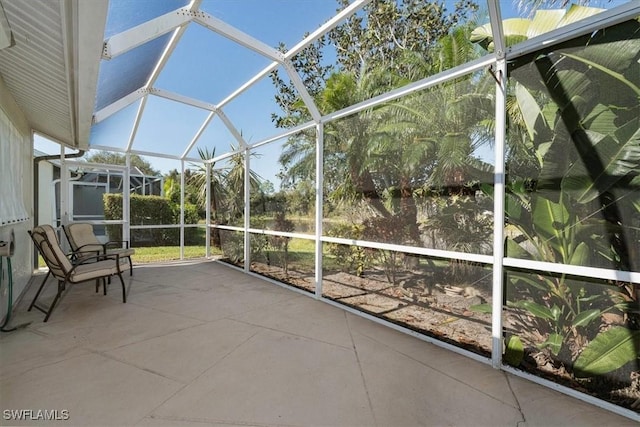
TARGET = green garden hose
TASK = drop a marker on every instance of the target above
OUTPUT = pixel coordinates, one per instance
(4, 327)
(7, 318)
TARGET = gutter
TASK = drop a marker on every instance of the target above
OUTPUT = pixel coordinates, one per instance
(36, 176)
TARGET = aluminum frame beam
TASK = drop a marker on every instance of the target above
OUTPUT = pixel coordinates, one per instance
(120, 104)
(302, 90)
(182, 99)
(143, 33)
(219, 26)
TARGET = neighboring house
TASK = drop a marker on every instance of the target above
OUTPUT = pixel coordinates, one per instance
(87, 185)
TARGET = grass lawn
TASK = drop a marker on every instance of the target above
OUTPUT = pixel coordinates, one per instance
(168, 253)
(160, 253)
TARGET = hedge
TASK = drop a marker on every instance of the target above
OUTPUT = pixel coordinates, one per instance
(152, 210)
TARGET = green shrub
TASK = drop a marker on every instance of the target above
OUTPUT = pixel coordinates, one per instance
(355, 258)
(151, 210)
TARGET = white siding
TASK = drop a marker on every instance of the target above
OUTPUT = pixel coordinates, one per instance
(12, 118)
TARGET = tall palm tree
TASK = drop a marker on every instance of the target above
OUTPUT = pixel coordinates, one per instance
(234, 183)
(383, 155)
(198, 180)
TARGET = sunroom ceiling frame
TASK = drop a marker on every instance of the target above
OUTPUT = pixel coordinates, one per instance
(175, 38)
(617, 14)
(177, 21)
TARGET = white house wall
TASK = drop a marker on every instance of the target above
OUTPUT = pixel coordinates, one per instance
(12, 117)
(46, 194)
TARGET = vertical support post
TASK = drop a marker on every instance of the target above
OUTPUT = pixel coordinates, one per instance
(181, 209)
(498, 213)
(64, 194)
(247, 198)
(499, 183)
(126, 199)
(319, 207)
(208, 210)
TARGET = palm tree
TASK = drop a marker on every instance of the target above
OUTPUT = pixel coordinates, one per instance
(382, 156)
(198, 180)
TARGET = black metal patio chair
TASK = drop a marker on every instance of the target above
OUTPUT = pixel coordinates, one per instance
(98, 268)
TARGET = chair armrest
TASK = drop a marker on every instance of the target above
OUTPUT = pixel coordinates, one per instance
(100, 257)
(79, 253)
(90, 247)
(117, 243)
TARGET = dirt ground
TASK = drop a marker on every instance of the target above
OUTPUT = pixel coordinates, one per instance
(439, 311)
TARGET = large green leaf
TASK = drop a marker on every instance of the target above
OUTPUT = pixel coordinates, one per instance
(514, 351)
(601, 120)
(537, 310)
(578, 13)
(514, 250)
(555, 163)
(580, 255)
(549, 218)
(554, 342)
(615, 75)
(587, 316)
(609, 350)
(514, 29)
(519, 29)
(534, 120)
(608, 162)
(544, 21)
(616, 48)
(481, 308)
(527, 279)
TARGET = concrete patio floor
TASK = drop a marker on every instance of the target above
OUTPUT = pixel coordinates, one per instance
(199, 343)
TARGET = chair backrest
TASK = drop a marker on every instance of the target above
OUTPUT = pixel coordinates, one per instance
(46, 240)
(81, 234)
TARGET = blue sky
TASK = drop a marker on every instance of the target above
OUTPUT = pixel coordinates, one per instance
(208, 67)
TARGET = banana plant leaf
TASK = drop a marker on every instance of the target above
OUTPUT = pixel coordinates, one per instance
(514, 250)
(610, 161)
(612, 74)
(519, 29)
(609, 350)
(577, 13)
(544, 21)
(586, 317)
(537, 126)
(602, 120)
(514, 29)
(549, 218)
(554, 342)
(558, 158)
(536, 310)
(580, 255)
(514, 351)
(541, 284)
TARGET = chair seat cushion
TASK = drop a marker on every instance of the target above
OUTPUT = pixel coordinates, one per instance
(92, 270)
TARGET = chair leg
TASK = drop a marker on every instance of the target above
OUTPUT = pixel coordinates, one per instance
(130, 267)
(124, 288)
(97, 285)
(104, 285)
(39, 290)
(55, 300)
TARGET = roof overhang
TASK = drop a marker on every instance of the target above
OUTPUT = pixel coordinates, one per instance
(51, 70)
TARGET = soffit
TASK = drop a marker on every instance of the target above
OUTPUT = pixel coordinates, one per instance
(51, 69)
